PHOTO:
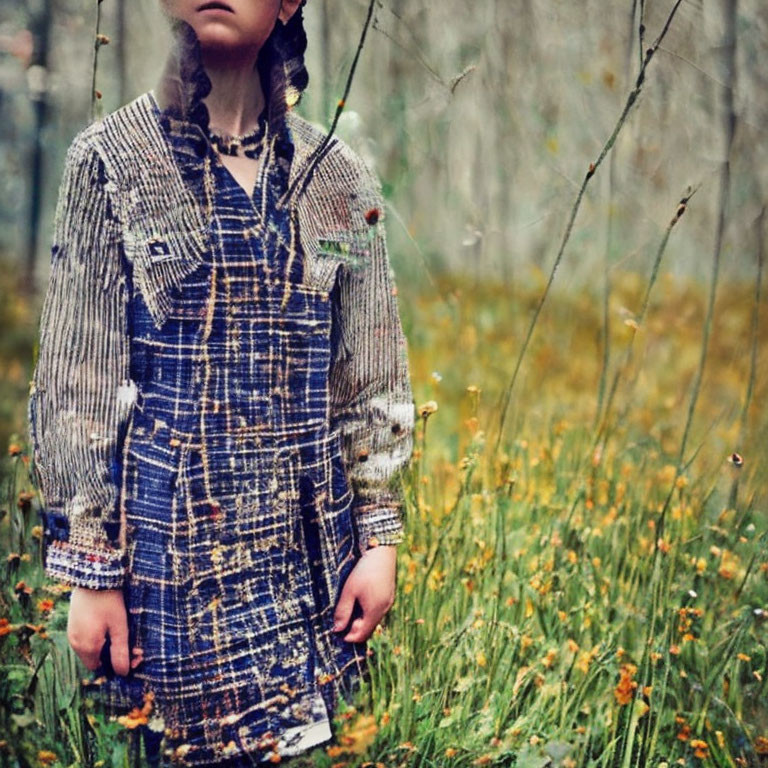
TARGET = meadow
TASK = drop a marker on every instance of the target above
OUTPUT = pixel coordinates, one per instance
(584, 579)
(577, 596)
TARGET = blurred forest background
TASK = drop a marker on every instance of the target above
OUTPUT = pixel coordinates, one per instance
(480, 118)
(577, 230)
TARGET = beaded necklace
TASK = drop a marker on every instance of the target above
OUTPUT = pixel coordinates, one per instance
(251, 143)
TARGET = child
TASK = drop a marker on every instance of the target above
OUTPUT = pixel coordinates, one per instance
(221, 404)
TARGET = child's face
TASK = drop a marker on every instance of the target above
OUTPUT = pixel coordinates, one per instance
(231, 24)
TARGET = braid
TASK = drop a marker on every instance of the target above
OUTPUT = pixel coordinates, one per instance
(281, 63)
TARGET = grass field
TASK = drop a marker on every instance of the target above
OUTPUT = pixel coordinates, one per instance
(580, 595)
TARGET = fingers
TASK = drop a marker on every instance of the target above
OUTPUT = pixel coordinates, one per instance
(97, 630)
(137, 657)
(88, 650)
(371, 586)
(362, 628)
(118, 633)
(344, 606)
(373, 612)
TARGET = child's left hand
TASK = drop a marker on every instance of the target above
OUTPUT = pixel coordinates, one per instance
(372, 583)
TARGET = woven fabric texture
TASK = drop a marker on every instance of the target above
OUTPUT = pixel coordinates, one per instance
(219, 413)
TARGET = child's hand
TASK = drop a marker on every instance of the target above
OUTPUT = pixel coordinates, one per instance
(372, 583)
(93, 612)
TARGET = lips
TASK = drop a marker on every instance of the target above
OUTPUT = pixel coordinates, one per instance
(215, 5)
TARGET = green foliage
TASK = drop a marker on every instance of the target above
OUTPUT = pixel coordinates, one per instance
(540, 620)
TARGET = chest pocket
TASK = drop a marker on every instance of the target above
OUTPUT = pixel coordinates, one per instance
(165, 240)
(345, 249)
(331, 239)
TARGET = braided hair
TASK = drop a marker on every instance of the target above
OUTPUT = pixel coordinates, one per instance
(282, 71)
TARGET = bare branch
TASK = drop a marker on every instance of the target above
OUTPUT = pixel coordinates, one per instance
(631, 99)
(305, 174)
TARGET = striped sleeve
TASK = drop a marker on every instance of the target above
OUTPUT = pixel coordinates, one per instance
(370, 385)
(78, 394)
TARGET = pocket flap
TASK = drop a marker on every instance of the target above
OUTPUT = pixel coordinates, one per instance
(329, 244)
(162, 255)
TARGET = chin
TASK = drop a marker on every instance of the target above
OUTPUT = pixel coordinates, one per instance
(216, 37)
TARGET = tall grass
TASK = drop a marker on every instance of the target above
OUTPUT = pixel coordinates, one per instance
(545, 616)
(541, 612)
(582, 591)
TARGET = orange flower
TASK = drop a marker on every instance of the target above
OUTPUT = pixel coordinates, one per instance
(357, 736)
(138, 716)
(133, 719)
(626, 687)
(701, 748)
(24, 499)
(45, 605)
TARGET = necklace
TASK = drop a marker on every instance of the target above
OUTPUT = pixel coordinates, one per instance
(249, 144)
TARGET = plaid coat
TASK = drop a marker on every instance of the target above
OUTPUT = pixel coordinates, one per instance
(220, 411)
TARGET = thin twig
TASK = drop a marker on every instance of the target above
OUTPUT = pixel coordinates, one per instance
(417, 54)
(724, 195)
(94, 68)
(743, 421)
(305, 174)
(631, 99)
(682, 206)
(607, 287)
(759, 231)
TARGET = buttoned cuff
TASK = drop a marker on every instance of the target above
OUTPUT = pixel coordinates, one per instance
(80, 567)
(377, 526)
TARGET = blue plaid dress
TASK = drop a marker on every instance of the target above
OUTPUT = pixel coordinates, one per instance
(206, 359)
(235, 494)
